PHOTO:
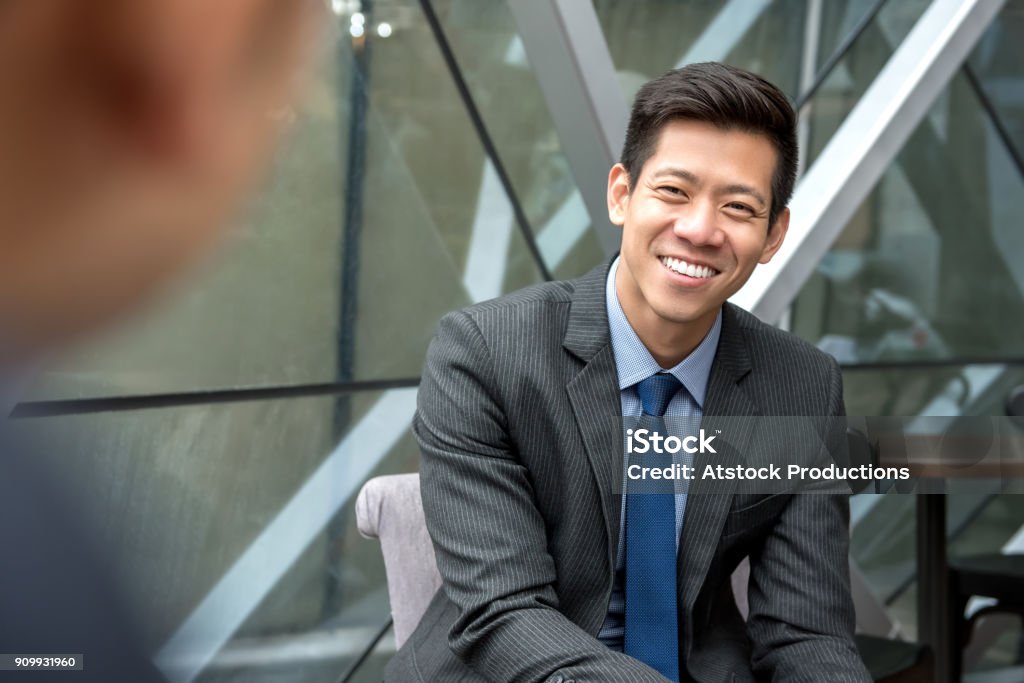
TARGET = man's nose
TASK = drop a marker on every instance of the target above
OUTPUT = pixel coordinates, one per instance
(698, 225)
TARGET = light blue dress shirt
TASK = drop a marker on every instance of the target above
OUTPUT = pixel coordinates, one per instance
(634, 363)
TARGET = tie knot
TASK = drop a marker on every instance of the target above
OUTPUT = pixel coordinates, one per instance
(656, 391)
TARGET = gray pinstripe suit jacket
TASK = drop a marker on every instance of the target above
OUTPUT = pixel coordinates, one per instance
(518, 425)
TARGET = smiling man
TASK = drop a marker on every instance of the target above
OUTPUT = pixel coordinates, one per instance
(551, 573)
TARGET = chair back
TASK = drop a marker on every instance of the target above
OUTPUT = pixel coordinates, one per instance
(389, 508)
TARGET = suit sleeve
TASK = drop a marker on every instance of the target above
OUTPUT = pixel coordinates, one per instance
(488, 534)
(802, 616)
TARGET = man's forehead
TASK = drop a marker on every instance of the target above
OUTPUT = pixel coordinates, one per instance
(699, 153)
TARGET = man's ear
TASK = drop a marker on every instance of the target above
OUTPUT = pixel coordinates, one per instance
(776, 234)
(618, 194)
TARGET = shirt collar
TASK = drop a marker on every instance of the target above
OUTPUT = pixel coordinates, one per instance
(634, 363)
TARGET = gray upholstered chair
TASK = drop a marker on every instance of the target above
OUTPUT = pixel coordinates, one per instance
(390, 509)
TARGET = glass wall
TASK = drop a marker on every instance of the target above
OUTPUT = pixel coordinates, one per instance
(946, 206)
(422, 172)
(646, 39)
(492, 60)
(921, 297)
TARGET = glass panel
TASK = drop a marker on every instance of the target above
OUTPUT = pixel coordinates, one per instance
(991, 526)
(330, 603)
(855, 72)
(353, 252)
(882, 548)
(181, 494)
(838, 20)
(435, 140)
(646, 39)
(493, 61)
(996, 60)
(265, 312)
(943, 390)
(932, 264)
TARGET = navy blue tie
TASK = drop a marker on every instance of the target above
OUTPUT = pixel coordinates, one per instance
(652, 628)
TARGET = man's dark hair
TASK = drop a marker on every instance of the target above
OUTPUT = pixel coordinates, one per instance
(724, 96)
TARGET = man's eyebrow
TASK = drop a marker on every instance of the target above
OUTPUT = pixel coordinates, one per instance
(745, 189)
(677, 172)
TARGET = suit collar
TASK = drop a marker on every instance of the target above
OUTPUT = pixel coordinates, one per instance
(733, 354)
(587, 331)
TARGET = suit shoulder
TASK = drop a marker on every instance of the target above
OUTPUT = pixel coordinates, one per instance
(544, 293)
(789, 376)
(771, 346)
(520, 307)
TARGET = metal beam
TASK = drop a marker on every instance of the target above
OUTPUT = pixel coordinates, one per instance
(570, 59)
(866, 145)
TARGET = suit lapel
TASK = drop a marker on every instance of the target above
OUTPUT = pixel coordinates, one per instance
(595, 402)
(594, 393)
(594, 396)
(708, 501)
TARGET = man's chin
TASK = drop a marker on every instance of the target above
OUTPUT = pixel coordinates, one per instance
(689, 316)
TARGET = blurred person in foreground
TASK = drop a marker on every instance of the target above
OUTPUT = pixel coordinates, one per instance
(129, 133)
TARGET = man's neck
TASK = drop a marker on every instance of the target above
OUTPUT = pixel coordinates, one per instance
(668, 341)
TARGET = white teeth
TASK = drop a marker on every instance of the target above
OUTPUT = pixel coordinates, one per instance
(699, 272)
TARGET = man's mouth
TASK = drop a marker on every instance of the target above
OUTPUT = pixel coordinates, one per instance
(689, 269)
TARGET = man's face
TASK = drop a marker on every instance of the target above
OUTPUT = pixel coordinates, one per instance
(694, 224)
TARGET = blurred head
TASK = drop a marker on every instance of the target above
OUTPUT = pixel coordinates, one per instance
(129, 131)
(707, 169)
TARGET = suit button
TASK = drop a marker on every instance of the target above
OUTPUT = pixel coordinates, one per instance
(558, 679)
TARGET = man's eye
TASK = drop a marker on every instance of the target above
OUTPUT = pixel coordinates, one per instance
(672, 190)
(740, 207)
